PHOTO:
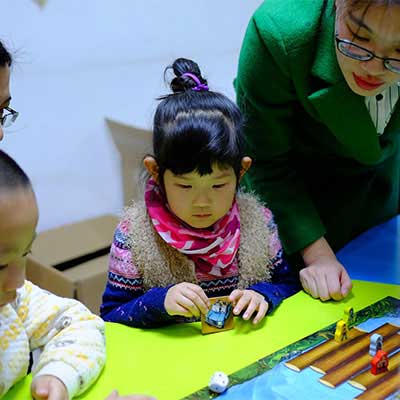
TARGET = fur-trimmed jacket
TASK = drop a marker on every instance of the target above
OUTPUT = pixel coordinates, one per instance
(143, 267)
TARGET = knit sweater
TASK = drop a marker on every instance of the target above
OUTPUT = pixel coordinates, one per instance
(69, 338)
(142, 267)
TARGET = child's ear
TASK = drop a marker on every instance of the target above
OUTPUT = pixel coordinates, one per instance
(152, 167)
(246, 164)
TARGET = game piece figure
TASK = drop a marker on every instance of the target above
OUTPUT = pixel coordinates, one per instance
(349, 316)
(379, 363)
(341, 331)
(218, 314)
(376, 342)
(218, 382)
(219, 317)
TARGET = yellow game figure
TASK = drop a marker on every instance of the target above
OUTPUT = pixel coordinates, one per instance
(349, 316)
(341, 331)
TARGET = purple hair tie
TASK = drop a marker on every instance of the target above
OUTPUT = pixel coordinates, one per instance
(199, 86)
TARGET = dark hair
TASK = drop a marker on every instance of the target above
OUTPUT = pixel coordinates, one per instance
(195, 129)
(5, 56)
(12, 175)
(355, 4)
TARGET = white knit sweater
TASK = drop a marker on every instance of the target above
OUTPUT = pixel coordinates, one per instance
(69, 337)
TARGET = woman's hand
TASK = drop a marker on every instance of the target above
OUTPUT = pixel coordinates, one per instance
(250, 302)
(324, 276)
(48, 387)
(186, 299)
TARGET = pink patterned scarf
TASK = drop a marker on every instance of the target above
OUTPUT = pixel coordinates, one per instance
(212, 249)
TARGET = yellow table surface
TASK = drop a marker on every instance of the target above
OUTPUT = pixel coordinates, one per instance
(170, 363)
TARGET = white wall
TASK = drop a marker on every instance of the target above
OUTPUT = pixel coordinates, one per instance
(77, 62)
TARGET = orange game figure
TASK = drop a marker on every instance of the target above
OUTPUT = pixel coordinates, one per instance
(379, 363)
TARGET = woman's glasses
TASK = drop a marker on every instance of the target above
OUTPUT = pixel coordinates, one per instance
(8, 119)
(356, 52)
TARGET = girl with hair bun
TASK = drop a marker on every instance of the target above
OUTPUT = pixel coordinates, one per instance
(195, 235)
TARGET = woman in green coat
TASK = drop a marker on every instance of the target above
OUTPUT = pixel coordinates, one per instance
(319, 83)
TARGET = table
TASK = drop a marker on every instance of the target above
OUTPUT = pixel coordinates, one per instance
(172, 362)
(375, 254)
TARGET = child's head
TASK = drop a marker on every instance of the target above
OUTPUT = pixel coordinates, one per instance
(18, 220)
(198, 146)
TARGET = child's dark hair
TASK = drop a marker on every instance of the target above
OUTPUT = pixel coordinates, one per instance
(195, 127)
(5, 56)
(12, 175)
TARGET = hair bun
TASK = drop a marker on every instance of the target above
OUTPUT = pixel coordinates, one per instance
(183, 83)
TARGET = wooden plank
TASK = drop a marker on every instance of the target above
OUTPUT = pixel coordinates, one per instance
(307, 358)
(355, 365)
(366, 379)
(389, 384)
(331, 360)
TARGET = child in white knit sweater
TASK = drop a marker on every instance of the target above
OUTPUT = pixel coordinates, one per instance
(67, 336)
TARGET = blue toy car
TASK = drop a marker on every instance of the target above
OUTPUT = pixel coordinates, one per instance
(218, 314)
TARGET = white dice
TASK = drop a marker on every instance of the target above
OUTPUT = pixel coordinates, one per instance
(218, 382)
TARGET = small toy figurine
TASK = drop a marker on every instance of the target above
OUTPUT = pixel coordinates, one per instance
(219, 317)
(218, 314)
(349, 316)
(218, 382)
(341, 331)
(379, 363)
(376, 342)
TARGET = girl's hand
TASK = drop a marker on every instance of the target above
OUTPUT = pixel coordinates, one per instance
(186, 299)
(115, 396)
(250, 301)
(48, 387)
(326, 278)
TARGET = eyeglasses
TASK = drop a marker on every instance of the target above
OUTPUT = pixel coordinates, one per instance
(8, 119)
(356, 52)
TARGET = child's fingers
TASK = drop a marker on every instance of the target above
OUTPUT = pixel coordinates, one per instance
(251, 307)
(235, 295)
(195, 301)
(201, 294)
(262, 310)
(242, 303)
(189, 305)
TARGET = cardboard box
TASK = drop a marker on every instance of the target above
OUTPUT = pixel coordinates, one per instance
(133, 143)
(72, 260)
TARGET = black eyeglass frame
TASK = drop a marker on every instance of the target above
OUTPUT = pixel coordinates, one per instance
(369, 57)
(8, 119)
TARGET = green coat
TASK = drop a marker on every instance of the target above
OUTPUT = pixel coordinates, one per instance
(318, 161)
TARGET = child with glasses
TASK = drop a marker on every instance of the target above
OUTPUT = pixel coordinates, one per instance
(7, 114)
(195, 236)
(319, 84)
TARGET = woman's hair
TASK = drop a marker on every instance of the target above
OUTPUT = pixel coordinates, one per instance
(194, 127)
(5, 56)
(354, 4)
(12, 175)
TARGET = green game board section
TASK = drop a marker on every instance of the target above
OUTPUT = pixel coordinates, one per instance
(381, 308)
